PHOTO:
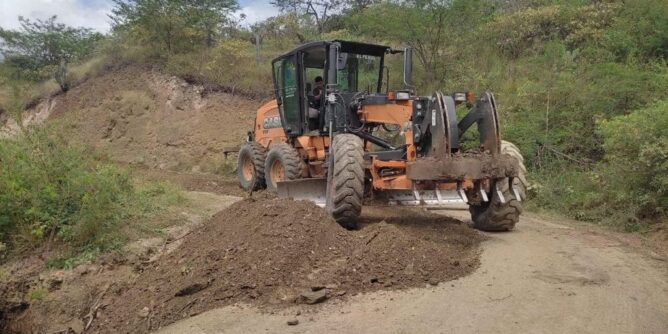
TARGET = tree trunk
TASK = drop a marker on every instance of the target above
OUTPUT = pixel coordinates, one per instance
(61, 75)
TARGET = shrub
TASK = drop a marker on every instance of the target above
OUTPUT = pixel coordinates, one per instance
(51, 190)
(530, 28)
(230, 65)
(629, 187)
(640, 31)
(635, 166)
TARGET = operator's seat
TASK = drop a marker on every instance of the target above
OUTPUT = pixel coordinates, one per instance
(313, 118)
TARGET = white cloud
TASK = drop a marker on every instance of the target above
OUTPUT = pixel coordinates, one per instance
(256, 11)
(93, 13)
(78, 13)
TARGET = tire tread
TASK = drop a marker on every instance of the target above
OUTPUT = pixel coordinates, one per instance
(495, 216)
(347, 180)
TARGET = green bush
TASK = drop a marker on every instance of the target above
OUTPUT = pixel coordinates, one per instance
(628, 188)
(570, 191)
(640, 31)
(51, 190)
(635, 166)
(231, 65)
(529, 29)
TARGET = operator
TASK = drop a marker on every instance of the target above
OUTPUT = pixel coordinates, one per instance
(317, 97)
(318, 92)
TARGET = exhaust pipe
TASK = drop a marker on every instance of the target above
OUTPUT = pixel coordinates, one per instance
(332, 59)
(408, 69)
(331, 88)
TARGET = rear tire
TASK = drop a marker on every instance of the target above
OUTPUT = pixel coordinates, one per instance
(250, 166)
(346, 189)
(283, 164)
(494, 216)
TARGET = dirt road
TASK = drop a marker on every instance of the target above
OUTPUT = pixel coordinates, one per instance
(545, 277)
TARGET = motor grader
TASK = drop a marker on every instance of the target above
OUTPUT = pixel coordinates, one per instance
(332, 143)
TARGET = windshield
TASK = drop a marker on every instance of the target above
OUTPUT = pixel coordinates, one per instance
(358, 73)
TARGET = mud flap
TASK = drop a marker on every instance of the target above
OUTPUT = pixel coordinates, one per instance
(314, 190)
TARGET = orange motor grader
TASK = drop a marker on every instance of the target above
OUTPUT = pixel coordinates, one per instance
(327, 137)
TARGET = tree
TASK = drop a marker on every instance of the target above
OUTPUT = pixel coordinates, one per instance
(359, 5)
(289, 28)
(320, 10)
(175, 25)
(430, 27)
(40, 46)
(210, 15)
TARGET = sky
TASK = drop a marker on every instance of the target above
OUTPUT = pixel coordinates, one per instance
(93, 13)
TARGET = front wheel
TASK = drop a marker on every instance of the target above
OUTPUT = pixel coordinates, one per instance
(346, 186)
(283, 164)
(494, 216)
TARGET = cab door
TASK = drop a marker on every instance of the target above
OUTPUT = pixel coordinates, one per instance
(287, 83)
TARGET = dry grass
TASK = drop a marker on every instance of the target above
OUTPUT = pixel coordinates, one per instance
(22, 94)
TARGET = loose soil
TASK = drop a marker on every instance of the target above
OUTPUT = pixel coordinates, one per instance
(273, 253)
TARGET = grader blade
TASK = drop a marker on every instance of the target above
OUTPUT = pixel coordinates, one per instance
(429, 199)
(314, 190)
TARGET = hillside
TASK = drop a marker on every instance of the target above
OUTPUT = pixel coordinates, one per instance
(139, 116)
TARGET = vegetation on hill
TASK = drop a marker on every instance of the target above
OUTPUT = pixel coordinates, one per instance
(42, 49)
(56, 192)
(582, 84)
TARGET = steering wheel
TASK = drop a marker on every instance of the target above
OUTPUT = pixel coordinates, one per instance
(311, 100)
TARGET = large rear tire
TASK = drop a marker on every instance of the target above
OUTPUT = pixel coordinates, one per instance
(346, 189)
(283, 164)
(250, 166)
(494, 216)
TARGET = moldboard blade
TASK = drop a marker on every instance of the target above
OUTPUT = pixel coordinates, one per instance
(314, 190)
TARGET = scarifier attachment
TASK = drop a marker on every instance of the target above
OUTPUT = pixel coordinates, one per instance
(480, 190)
(499, 193)
(461, 192)
(513, 189)
(314, 190)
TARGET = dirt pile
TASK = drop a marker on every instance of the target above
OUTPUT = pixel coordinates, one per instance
(278, 252)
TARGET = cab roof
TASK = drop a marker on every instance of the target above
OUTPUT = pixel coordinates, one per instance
(346, 46)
